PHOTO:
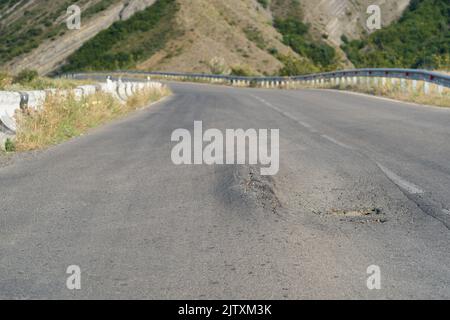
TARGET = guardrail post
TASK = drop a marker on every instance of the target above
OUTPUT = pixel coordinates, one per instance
(414, 85)
(394, 81)
(426, 87)
(403, 84)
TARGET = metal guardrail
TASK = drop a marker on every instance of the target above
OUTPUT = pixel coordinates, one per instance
(408, 74)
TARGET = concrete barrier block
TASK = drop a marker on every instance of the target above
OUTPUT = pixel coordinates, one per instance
(128, 89)
(121, 90)
(9, 104)
(426, 87)
(110, 87)
(36, 98)
(78, 93)
(88, 89)
(7, 123)
(56, 92)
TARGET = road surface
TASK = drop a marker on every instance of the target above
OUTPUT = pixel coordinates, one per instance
(113, 203)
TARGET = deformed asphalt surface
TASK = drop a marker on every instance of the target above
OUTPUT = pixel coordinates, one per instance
(113, 203)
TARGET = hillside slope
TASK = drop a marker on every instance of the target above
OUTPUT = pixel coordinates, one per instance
(33, 33)
(244, 36)
(420, 39)
(335, 18)
(188, 35)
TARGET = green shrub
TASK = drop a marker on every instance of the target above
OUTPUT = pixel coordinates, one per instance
(264, 3)
(125, 43)
(10, 145)
(241, 71)
(25, 76)
(294, 66)
(295, 34)
(273, 51)
(415, 41)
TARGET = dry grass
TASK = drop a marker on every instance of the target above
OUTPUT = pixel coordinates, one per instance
(8, 83)
(62, 118)
(42, 83)
(407, 93)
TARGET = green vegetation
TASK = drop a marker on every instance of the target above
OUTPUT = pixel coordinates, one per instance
(29, 80)
(98, 7)
(30, 30)
(241, 71)
(316, 54)
(284, 9)
(10, 145)
(295, 66)
(25, 76)
(420, 39)
(264, 3)
(37, 24)
(126, 43)
(255, 36)
(295, 34)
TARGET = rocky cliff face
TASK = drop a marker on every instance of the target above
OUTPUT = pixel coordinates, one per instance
(50, 53)
(335, 18)
(241, 32)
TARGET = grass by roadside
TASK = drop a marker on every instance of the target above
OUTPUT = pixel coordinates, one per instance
(30, 80)
(434, 97)
(62, 118)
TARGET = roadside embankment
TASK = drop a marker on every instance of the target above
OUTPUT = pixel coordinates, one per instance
(31, 120)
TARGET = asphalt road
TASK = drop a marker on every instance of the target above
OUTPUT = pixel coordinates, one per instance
(138, 226)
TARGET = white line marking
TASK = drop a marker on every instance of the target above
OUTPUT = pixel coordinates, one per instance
(286, 114)
(343, 145)
(306, 125)
(402, 183)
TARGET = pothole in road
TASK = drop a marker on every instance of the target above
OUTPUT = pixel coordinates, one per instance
(365, 215)
(262, 188)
